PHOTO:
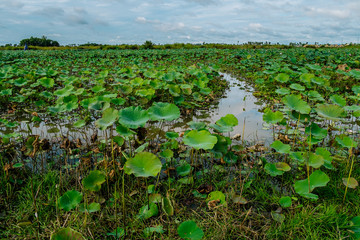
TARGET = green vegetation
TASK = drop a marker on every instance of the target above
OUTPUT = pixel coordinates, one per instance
(91, 148)
(41, 42)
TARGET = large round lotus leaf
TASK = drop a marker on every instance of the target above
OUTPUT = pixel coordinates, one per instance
(70, 200)
(164, 111)
(356, 89)
(124, 131)
(109, 116)
(282, 77)
(144, 164)
(297, 87)
(196, 125)
(46, 82)
(66, 91)
(339, 100)
(94, 180)
(346, 141)
(66, 234)
(272, 170)
(282, 91)
(189, 230)
(228, 121)
(200, 139)
(294, 102)
(280, 147)
(316, 131)
(330, 111)
(133, 117)
(272, 117)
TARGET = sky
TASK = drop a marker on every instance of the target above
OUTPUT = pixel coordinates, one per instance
(181, 21)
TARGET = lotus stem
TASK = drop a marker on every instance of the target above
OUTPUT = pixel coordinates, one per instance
(348, 180)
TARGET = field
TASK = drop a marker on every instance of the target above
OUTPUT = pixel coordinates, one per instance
(124, 144)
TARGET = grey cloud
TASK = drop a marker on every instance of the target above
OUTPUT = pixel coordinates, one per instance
(203, 2)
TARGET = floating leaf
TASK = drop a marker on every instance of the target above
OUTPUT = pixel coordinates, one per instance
(46, 82)
(282, 91)
(144, 164)
(189, 230)
(70, 200)
(297, 87)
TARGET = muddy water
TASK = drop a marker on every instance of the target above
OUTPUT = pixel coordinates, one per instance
(239, 101)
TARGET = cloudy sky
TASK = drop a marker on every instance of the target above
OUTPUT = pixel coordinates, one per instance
(170, 21)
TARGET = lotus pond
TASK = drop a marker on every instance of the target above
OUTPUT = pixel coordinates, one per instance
(180, 144)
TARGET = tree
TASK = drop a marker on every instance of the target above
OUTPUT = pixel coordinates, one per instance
(42, 42)
(148, 45)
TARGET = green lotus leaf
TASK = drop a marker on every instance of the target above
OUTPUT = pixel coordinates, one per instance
(144, 164)
(297, 87)
(92, 207)
(133, 117)
(272, 117)
(307, 77)
(282, 77)
(79, 123)
(118, 101)
(66, 234)
(196, 125)
(346, 141)
(355, 227)
(294, 102)
(124, 131)
(97, 89)
(200, 139)
(109, 116)
(356, 89)
(66, 91)
(189, 230)
(282, 166)
(205, 91)
(171, 135)
(117, 233)
(339, 100)
(355, 74)
(183, 169)
(164, 111)
(94, 180)
(317, 179)
(46, 82)
(331, 111)
(315, 95)
(149, 230)
(285, 202)
(218, 196)
(148, 211)
(327, 157)
(20, 82)
(280, 147)
(70, 200)
(174, 90)
(282, 91)
(314, 160)
(228, 121)
(316, 131)
(272, 170)
(167, 206)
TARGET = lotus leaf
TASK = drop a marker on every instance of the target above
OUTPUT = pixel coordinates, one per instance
(148, 211)
(109, 116)
(317, 179)
(272, 117)
(294, 102)
(330, 111)
(202, 139)
(133, 117)
(189, 230)
(144, 164)
(70, 200)
(66, 234)
(94, 180)
(281, 147)
(164, 111)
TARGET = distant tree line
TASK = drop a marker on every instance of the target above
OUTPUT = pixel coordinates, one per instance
(41, 42)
